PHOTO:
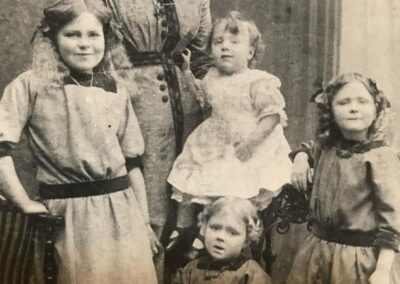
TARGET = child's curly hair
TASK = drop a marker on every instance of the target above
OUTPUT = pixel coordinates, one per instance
(328, 132)
(47, 63)
(243, 209)
(231, 24)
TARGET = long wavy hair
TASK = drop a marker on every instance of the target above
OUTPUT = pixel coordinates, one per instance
(231, 22)
(47, 63)
(328, 133)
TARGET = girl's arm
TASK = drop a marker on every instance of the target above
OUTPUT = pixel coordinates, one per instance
(381, 274)
(12, 189)
(244, 149)
(137, 182)
(194, 84)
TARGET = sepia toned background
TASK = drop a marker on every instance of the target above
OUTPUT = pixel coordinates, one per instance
(307, 42)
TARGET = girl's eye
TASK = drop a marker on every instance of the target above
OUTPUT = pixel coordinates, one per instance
(72, 34)
(94, 34)
(343, 102)
(234, 233)
(215, 227)
(217, 41)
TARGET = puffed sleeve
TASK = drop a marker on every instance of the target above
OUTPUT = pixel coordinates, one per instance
(15, 109)
(200, 59)
(129, 134)
(267, 99)
(384, 166)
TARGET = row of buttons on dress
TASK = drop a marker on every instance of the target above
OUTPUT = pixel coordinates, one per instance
(163, 87)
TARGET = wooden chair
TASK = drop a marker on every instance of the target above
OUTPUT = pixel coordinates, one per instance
(17, 233)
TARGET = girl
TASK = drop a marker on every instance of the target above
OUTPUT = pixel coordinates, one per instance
(230, 224)
(87, 145)
(241, 148)
(355, 202)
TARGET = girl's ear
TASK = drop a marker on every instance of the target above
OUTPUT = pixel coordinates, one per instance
(251, 52)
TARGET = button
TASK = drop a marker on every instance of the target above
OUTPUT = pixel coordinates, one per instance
(163, 87)
(160, 76)
(164, 23)
(164, 99)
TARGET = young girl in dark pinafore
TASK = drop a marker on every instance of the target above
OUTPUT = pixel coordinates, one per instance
(355, 202)
(87, 145)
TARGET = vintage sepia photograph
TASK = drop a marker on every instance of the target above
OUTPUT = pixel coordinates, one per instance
(199, 141)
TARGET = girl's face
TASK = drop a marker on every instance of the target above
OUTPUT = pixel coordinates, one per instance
(225, 236)
(354, 111)
(81, 43)
(231, 52)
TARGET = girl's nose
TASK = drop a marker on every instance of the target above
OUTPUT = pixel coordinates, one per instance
(353, 107)
(83, 43)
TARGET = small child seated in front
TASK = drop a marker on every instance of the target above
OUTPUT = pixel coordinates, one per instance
(230, 225)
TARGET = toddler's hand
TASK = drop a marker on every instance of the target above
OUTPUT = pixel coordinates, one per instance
(186, 54)
(33, 207)
(301, 172)
(380, 276)
(155, 245)
(243, 151)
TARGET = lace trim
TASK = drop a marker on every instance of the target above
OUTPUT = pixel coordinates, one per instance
(347, 148)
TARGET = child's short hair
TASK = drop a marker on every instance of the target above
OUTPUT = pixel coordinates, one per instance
(232, 26)
(46, 60)
(243, 208)
(327, 131)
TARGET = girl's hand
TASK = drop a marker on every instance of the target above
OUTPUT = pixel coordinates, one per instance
(243, 151)
(186, 54)
(380, 276)
(301, 172)
(155, 245)
(33, 207)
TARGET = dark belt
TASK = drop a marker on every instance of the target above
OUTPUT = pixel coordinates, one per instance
(344, 237)
(151, 58)
(84, 189)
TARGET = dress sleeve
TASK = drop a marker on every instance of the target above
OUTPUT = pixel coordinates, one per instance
(200, 59)
(385, 169)
(15, 109)
(267, 99)
(129, 134)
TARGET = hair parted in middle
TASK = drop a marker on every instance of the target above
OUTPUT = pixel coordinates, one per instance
(47, 62)
(328, 132)
(241, 207)
(231, 21)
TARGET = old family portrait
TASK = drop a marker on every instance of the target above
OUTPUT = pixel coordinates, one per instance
(199, 141)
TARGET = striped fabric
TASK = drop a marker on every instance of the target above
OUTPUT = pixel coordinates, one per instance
(17, 232)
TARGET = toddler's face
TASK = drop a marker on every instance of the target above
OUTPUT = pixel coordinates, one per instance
(225, 236)
(231, 52)
(354, 110)
(81, 43)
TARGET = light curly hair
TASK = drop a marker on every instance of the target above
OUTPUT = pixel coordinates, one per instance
(47, 63)
(231, 22)
(242, 208)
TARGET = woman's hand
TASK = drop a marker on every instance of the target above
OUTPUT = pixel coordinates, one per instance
(33, 207)
(301, 172)
(155, 245)
(243, 151)
(186, 54)
(380, 276)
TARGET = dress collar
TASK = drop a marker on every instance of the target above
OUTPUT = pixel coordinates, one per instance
(208, 263)
(346, 148)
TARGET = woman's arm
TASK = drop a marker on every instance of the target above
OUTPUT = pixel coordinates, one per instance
(136, 181)
(12, 189)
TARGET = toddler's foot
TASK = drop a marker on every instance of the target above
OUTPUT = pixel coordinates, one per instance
(176, 238)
